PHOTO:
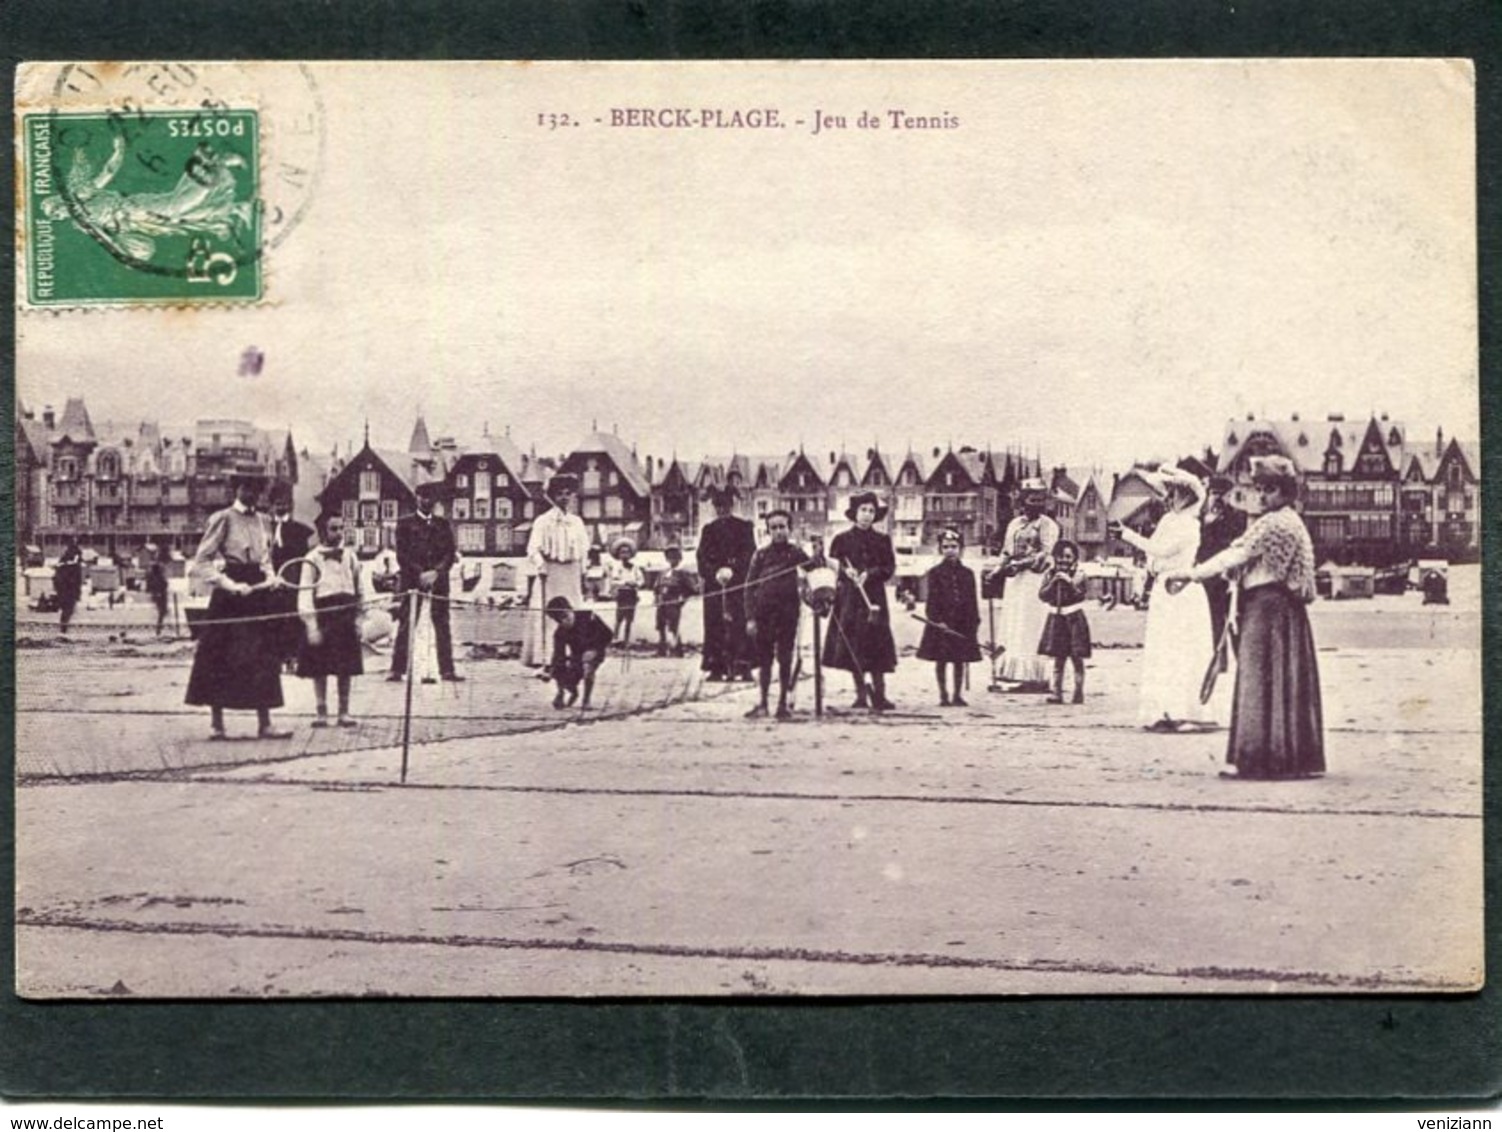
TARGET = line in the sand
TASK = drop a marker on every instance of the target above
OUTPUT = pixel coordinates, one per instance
(213, 778)
(1261, 977)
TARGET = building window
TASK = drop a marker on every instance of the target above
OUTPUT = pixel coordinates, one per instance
(388, 535)
(388, 509)
(461, 508)
(351, 512)
(503, 509)
(526, 509)
(482, 487)
(67, 468)
(502, 479)
(462, 481)
(472, 538)
(613, 508)
(109, 466)
(370, 485)
(370, 538)
(590, 509)
(591, 479)
(370, 512)
(481, 509)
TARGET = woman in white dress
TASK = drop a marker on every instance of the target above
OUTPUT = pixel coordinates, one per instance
(557, 552)
(1178, 624)
(1027, 550)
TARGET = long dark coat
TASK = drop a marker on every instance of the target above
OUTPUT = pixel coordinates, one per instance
(857, 641)
(1219, 528)
(952, 601)
(726, 541)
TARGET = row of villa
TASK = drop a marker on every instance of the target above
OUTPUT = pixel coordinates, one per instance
(1371, 495)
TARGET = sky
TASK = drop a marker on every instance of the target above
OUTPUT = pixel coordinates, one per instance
(1101, 262)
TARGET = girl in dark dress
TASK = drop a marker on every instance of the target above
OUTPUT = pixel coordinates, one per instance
(331, 614)
(953, 612)
(860, 631)
(1066, 633)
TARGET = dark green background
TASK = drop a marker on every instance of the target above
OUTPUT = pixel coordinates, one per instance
(86, 272)
(722, 1052)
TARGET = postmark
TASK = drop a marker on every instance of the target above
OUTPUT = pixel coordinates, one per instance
(161, 183)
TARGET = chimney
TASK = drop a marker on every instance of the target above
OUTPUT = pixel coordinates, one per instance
(1295, 416)
(48, 417)
(1439, 443)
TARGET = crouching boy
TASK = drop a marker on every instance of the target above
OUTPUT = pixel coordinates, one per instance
(579, 644)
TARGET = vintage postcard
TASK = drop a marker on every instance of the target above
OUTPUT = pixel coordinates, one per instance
(747, 529)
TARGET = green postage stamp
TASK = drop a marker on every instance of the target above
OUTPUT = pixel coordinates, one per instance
(142, 206)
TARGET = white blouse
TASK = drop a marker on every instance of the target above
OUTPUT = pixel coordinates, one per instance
(339, 576)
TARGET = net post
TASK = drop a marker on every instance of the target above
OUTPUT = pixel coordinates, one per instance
(177, 629)
(818, 667)
(414, 599)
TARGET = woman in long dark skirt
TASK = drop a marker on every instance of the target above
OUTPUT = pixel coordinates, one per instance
(1277, 729)
(331, 616)
(860, 631)
(952, 610)
(237, 666)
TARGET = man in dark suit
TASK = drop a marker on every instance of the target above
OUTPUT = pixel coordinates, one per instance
(1220, 526)
(290, 539)
(425, 552)
(724, 556)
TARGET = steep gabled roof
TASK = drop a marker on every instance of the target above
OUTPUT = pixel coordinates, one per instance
(766, 472)
(877, 460)
(916, 461)
(35, 434)
(75, 424)
(842, 459)
(412, 472)
(420, 444)
(802, 459)
(1090, 480)
(620, 455)
(686, 468)
(1459, 450)
(1472, 453)
(1124, 504)
(1308, 442)
(1424, 461)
